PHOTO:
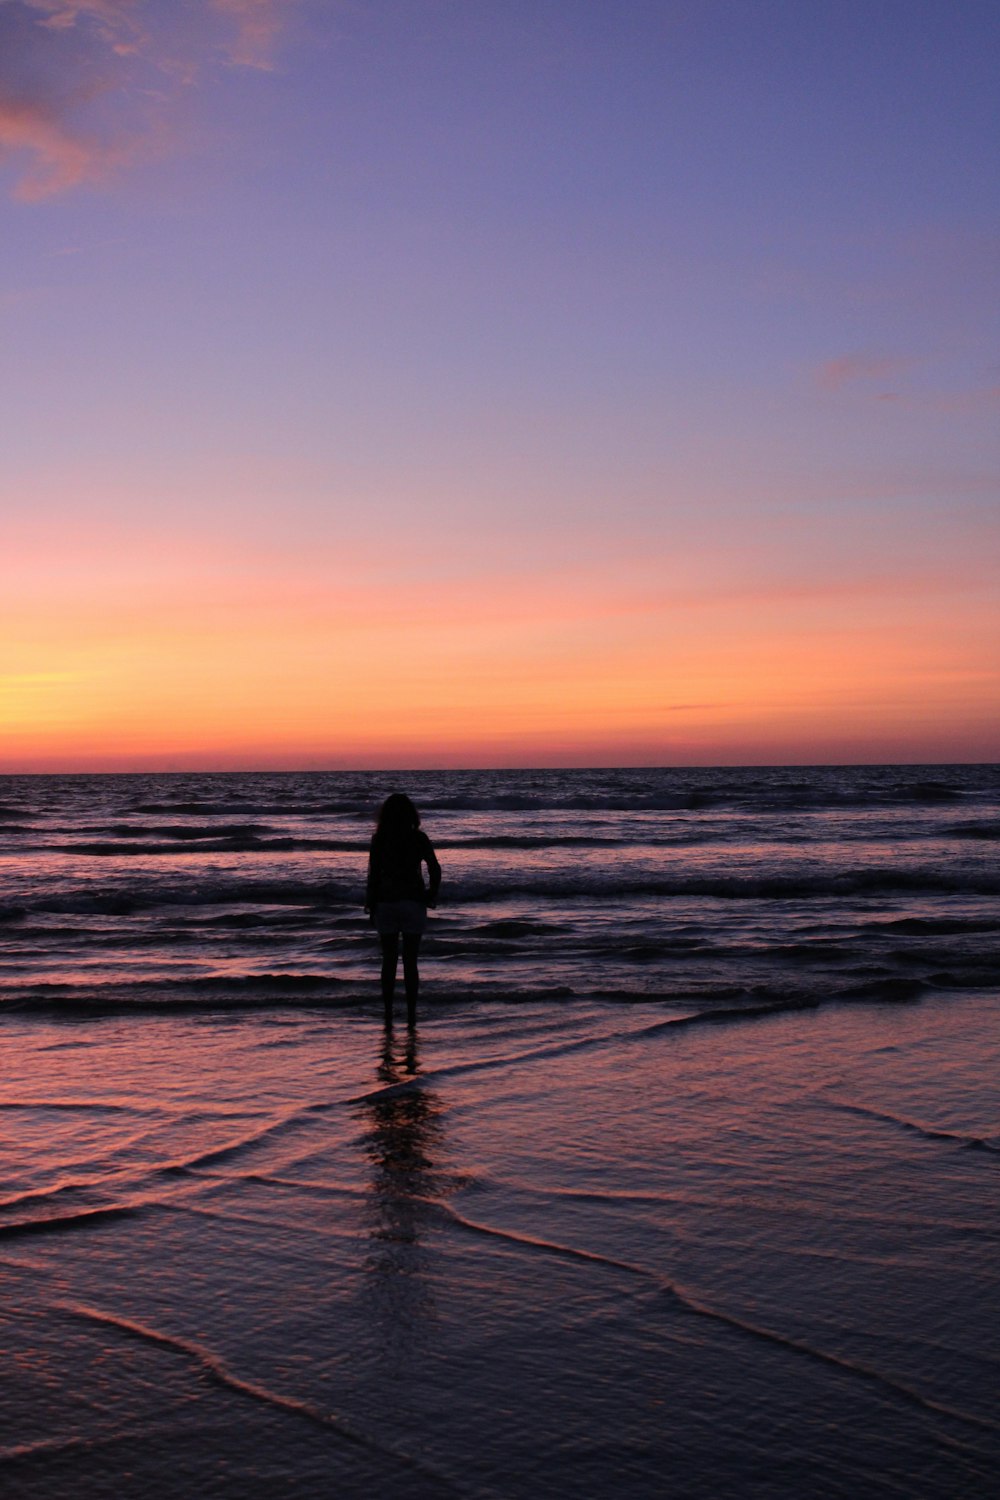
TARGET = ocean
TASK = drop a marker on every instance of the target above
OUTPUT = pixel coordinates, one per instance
(707, 887)
(683, 1185)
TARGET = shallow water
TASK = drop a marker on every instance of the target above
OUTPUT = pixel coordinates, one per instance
(532, 1249)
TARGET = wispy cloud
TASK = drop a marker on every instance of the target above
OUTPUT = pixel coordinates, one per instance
(87, 87)
(877, 378)
(59, 156)
(129, 26)
(258, 24)
(118, 21)
(949, 403)
(853, 369)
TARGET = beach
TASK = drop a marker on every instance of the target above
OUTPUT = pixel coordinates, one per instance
(684, 1184)
(499, 785)
(527, 1249)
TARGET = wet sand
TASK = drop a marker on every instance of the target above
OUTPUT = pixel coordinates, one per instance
(523, 1251)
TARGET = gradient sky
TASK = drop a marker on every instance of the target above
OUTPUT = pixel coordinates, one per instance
(498, 382)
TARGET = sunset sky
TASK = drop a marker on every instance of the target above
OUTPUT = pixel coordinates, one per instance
(498, 382)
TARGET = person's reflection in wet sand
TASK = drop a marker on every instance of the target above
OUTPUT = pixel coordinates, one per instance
(402, 1141)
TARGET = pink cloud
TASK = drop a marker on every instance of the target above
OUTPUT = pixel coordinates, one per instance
(258, 24)
(117, 20)
(848, 369)
(61, 158)
(89, 86)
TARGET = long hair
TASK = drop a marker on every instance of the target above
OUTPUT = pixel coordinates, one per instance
(397, 819)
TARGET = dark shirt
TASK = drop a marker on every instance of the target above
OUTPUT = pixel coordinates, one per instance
(394, 869)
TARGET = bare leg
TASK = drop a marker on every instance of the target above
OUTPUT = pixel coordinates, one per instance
(390, 954)
(411, 978)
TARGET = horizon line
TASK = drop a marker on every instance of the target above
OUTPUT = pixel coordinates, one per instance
(514, 770)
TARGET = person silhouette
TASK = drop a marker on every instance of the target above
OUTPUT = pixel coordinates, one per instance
(395, 896)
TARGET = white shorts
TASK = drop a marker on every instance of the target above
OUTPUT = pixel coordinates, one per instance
(407, 917)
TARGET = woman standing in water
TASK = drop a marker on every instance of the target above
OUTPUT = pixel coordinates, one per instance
(396, 897)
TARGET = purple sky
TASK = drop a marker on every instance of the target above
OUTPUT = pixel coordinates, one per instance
(596, 341)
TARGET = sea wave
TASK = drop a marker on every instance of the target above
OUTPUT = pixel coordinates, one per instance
(215, 840)
(207, 843)
(549, 885)
(709, 1001)
(297, 806)
(797, 887)
(973, 830)
(765, 794)
(171, 831)
(942, 926)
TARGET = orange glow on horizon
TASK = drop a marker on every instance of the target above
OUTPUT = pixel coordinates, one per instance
(175, 664)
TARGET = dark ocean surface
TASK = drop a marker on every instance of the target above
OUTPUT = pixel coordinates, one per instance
(712, 887)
